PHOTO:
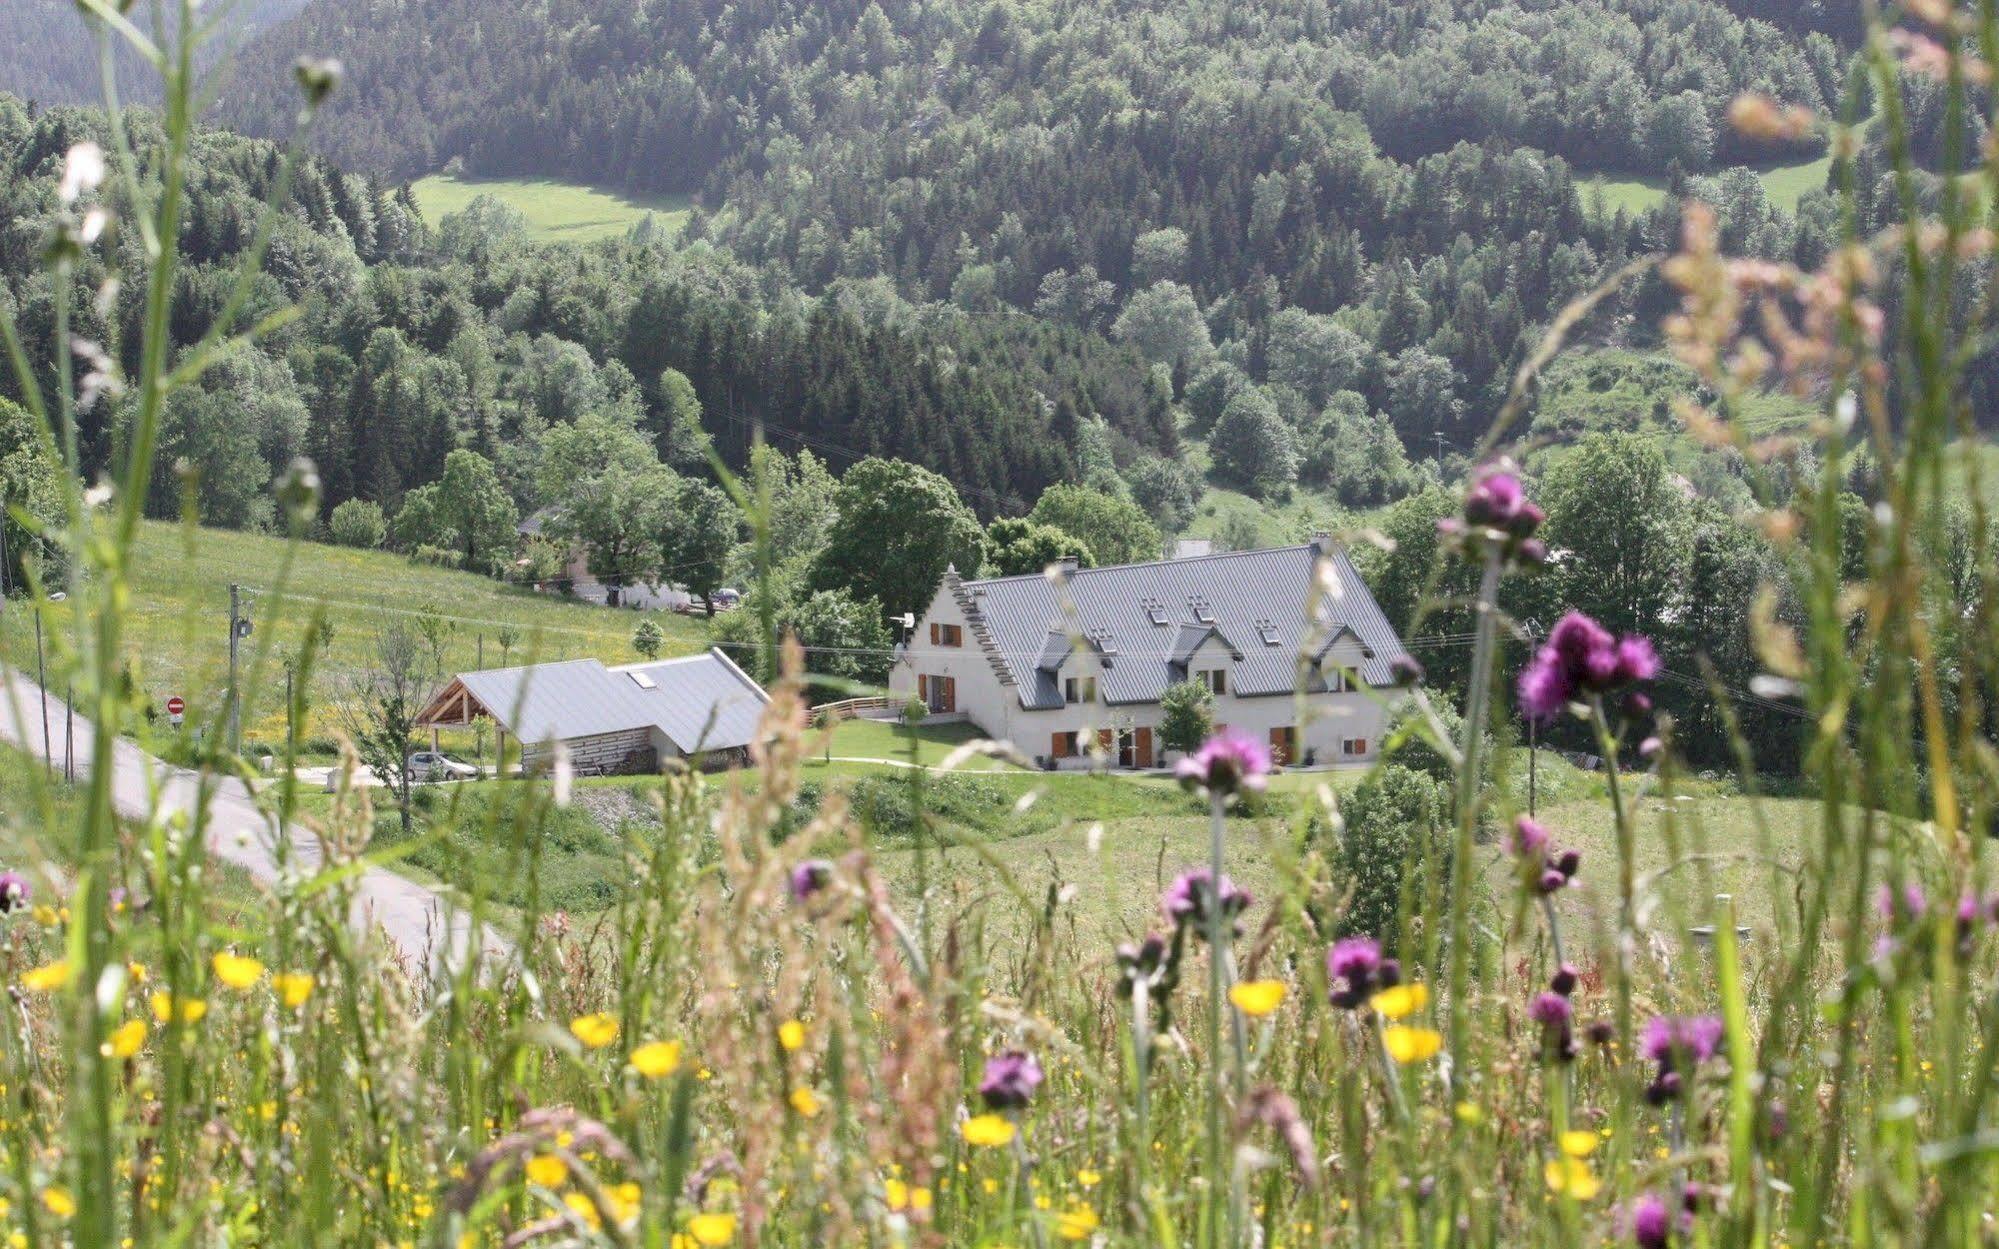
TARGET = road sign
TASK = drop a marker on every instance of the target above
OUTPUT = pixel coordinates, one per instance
(176, 708)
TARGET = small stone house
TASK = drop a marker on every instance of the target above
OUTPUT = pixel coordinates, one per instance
(612, 720)
(1072, 664)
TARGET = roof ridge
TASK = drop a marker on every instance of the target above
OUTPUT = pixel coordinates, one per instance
(1153, 563)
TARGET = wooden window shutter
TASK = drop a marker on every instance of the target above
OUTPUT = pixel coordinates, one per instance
(1144, 755)
(1058, 746)
(933, 633)
(923, 688)
(950, 694)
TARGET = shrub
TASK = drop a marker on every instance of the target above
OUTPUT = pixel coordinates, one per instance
(1187, 715)
(358, 523)
(1391, 852)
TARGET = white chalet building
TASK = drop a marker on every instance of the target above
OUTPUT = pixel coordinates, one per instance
(1055, 663)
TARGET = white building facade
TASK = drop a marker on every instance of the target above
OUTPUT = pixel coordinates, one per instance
(1070, 667)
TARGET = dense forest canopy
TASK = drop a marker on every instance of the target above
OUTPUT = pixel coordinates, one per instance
(416, 341)
(47, 56)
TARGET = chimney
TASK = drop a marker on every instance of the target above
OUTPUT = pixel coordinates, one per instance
(1322, 545)
(1069, 564)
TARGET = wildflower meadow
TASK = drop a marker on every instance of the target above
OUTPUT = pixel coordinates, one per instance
(768, 1040)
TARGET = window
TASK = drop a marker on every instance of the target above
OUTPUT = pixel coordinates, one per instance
(1267, 631)
(1155, 611)
(1201, 609)
(1282, 742)
(1216, 679)
(1353, 746)
(1336, 679)
(947, 635)
(641, 680)
(1079, 690)
(1063, 746)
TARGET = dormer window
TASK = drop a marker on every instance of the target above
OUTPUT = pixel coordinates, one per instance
(1079, 690)
(1216, 679)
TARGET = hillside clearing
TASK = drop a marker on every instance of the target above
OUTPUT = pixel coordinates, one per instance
(1784, 184)
(557, 211)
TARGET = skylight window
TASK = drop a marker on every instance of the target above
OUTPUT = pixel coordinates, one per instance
(1202, 611)
(641, 680)
(1267, 631)
(1155, 611)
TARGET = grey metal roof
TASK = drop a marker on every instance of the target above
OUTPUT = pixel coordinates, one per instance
(1244, 594)
(703, 702)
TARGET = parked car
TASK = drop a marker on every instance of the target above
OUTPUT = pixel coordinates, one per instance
(431, 765)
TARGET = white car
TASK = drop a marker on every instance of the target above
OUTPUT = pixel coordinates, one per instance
(431, 765)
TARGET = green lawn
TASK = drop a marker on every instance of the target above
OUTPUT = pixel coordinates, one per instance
(1785, 184)
(178, 619)
(556, 211)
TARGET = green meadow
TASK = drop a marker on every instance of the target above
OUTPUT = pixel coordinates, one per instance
(556, 211)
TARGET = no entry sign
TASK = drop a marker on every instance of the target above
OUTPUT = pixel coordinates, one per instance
(176, 708)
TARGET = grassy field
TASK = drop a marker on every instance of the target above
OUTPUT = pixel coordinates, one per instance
(1785, 184)
(556, 211)
(178, 622)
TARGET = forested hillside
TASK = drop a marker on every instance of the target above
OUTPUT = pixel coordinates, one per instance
(413, 342)
(47, 56)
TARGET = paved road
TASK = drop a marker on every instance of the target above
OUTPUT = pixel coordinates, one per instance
(412, 917)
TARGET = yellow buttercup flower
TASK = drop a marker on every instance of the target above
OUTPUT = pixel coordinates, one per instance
(293, 987)
(236, 970)
(805, 1101)
(656, 1058)
(126, 1038)
(1571, 1177)
(902, 1196)
(48, 978)
(1401, 1001)
(987, 1131)
(583, 1208)
(1412, 1045)
(1580, 1142)
(57, 1201)
(546, 1170)
(1076, 1223)
(595, 1031)
(1088, 1178)
(712, 1229)
(188, 1009)
(791, 1034)
(1257, 998)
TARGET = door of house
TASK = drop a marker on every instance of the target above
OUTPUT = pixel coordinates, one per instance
(1281, 740)
(943, 695)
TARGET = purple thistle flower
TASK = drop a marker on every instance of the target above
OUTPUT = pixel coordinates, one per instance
(1671, 1037)
(808, 878)
(1010, 1080)
(1908, 905)
(1530, 838)
(1357, 971)
(1551, 1010)
(1556, 1017)
(1186, 900)
(1637, 660)
(1581, 658)
(1679, 1044)
(1564, 981)
(1553, 881)
(1651, 1222)
(1568, 863)
(1226, 762)
(14, 892)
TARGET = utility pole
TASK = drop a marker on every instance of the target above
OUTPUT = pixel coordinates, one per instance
(237, 628)
(1440, 453)
(42, 690)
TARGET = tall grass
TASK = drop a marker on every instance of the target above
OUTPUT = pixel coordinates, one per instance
(760, 1043)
